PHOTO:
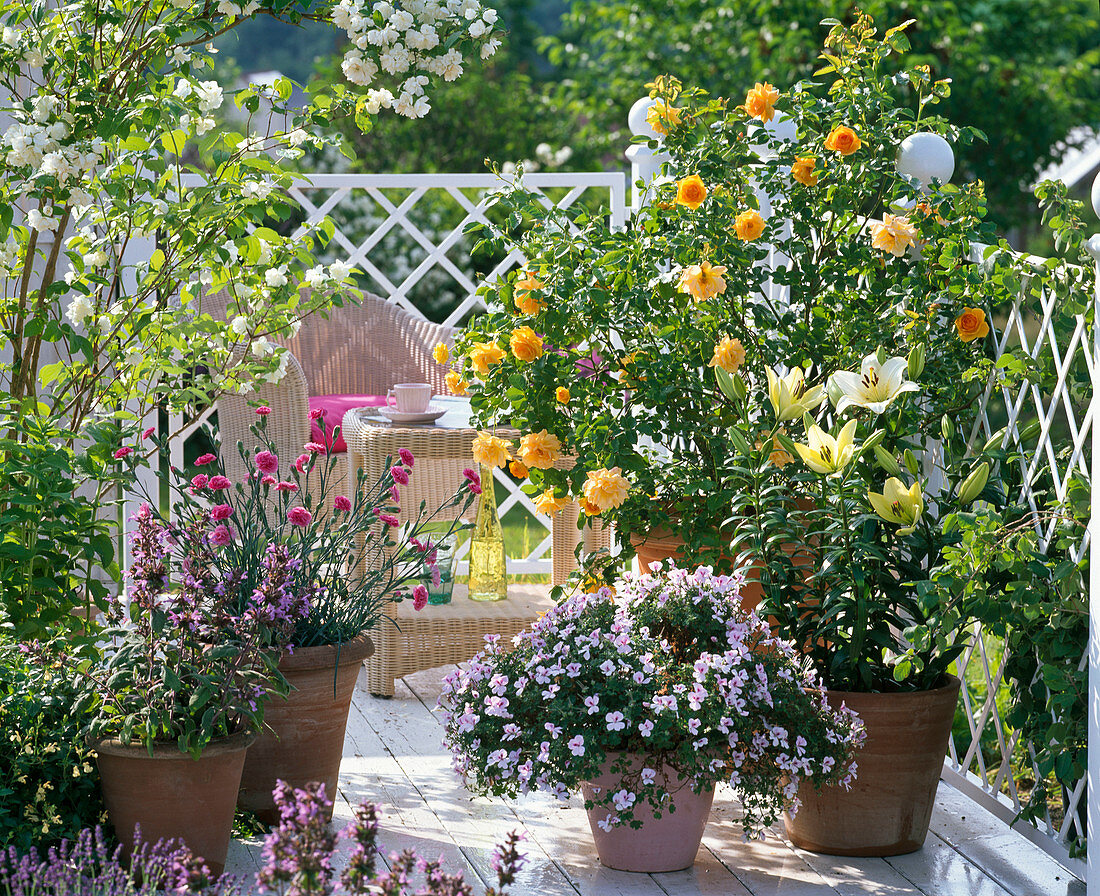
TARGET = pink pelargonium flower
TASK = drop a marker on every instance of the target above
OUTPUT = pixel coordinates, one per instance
(123, 452)
(266, 461)
(221, 536)
(205, 459)
(200, 481)
(263, 410)
(221, 512)
(299, 516)
(316, 448)
(285, 486)
(220, 483)
(420, 597)
(300, 463)
(406, 457)
(341, 503)
(400, 475)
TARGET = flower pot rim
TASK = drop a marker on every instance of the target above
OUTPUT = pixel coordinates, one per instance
(950, 683)
(318, 656)
(112, 746)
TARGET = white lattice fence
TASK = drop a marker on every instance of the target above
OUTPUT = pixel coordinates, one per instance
(1059, 339)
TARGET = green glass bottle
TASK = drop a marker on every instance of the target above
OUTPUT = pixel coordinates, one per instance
(488, 577)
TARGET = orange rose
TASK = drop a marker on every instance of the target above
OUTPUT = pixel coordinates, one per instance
(484, 355)
(702, 281)
(517, 469)
(843, 140)
(729, 354)
(803, 170)
(662, 116)
(604, 490)
(691, 192)
(547, 503)
(971, 324)
(456, 383)
(562, 395)
(441, 353)
(526, 300)
(539, 450)
(489, 451)
(525, 344)
(760, 101)
(749, 225)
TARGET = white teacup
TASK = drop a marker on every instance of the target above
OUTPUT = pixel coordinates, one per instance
(410, 398)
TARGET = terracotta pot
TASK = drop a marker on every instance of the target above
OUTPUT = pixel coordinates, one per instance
(303, 737)
(668, 843)
(170, 795)
(887, 811)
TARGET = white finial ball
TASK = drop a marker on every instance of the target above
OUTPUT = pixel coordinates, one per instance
(639, 127)
(1096, 195)
(926, 156)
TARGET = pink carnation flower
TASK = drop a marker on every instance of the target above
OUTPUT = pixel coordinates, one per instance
(300, 463)
(266, 461)
(268, 480)
(406, 457)
(315, 448)
(395, 493)
(221, 536)
(200, 481)
(219, 483)
(123, 452)
(287, 487)
(420, 597)
(299, 516)
(400, 475)
(149, 432)
(341, 503)
(316, 414)
(388, 518)
(221, 512)
(263, 410)
(205, 459)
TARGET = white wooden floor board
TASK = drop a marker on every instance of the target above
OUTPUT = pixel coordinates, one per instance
(394, 757)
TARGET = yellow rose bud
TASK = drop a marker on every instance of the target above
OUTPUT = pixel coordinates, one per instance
(456, 383)
(843, 140)
(489, 451)
(525, 344)
(971, 324)
(562, 395)
(760, 101)
(691, 192)
(517, 469)
(803, 170)
(524, 296)
(749, 225)
(441, 353)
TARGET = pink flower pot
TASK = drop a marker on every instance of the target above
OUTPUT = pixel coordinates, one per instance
(668, 843)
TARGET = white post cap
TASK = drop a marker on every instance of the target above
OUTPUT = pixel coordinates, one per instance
(926, 157)
(1096, 194)
(636, 118)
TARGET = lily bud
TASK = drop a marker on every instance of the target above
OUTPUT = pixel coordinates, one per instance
(911, 462)
(881, 355)
(916, 361)
(874, 440)
(974, 483)
(947, 428)
(996, 441)
(739, 387)
(887, 461)
(725, 383)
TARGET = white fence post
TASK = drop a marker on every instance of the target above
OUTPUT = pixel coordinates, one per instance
(1093, 776)
(644, 162)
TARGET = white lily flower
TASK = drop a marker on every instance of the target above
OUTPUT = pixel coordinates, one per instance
(789, 396)
(875, 387)
(825, 454)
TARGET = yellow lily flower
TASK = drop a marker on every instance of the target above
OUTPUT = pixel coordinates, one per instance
(825, 454)
(789, 396)
(898, 504)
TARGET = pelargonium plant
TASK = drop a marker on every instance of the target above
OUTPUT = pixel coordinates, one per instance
(665, 667)
(339, 546)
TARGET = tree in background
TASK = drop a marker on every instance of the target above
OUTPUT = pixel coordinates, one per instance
(1022, 71)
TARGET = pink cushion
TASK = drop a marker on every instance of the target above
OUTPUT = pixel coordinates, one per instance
(335, 406)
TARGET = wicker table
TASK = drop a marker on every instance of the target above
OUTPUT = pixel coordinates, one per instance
(447, 633)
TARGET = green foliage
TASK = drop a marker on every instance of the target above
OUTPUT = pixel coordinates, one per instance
(1022, 70)
(49, 787)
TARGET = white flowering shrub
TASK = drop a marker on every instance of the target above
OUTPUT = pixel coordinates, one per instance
(662, 675)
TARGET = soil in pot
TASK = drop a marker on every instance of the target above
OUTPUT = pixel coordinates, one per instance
(668, 843)
(888, 809)
(303, 737)
(170, 795)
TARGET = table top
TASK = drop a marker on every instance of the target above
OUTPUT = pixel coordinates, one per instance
(525, 602)
(456, 419)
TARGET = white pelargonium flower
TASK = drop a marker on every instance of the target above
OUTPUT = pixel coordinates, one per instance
(875, 386)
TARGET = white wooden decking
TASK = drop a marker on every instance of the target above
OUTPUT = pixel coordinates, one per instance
(393, 756)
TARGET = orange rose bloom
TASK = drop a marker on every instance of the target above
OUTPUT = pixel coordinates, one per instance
(760, 101)
(749, 225)
(489, 451)
(456, 383)
(539, 450)
(691, 192)
(729, 354)
(604, 490)
(662, 116)
(562, 395)
(517, 469)
(703, 280)
(548, 504)
(971, 324)
(803, 170)
(524, 296)
(843, 140)
(525, 344)
(441, 353)
(484, 355)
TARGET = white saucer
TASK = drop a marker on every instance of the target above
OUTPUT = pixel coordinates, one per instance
(433, 413)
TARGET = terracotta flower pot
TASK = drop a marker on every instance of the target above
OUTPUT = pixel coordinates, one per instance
(303, 737)
(172, 796)
(887, 811)
(668, 843)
